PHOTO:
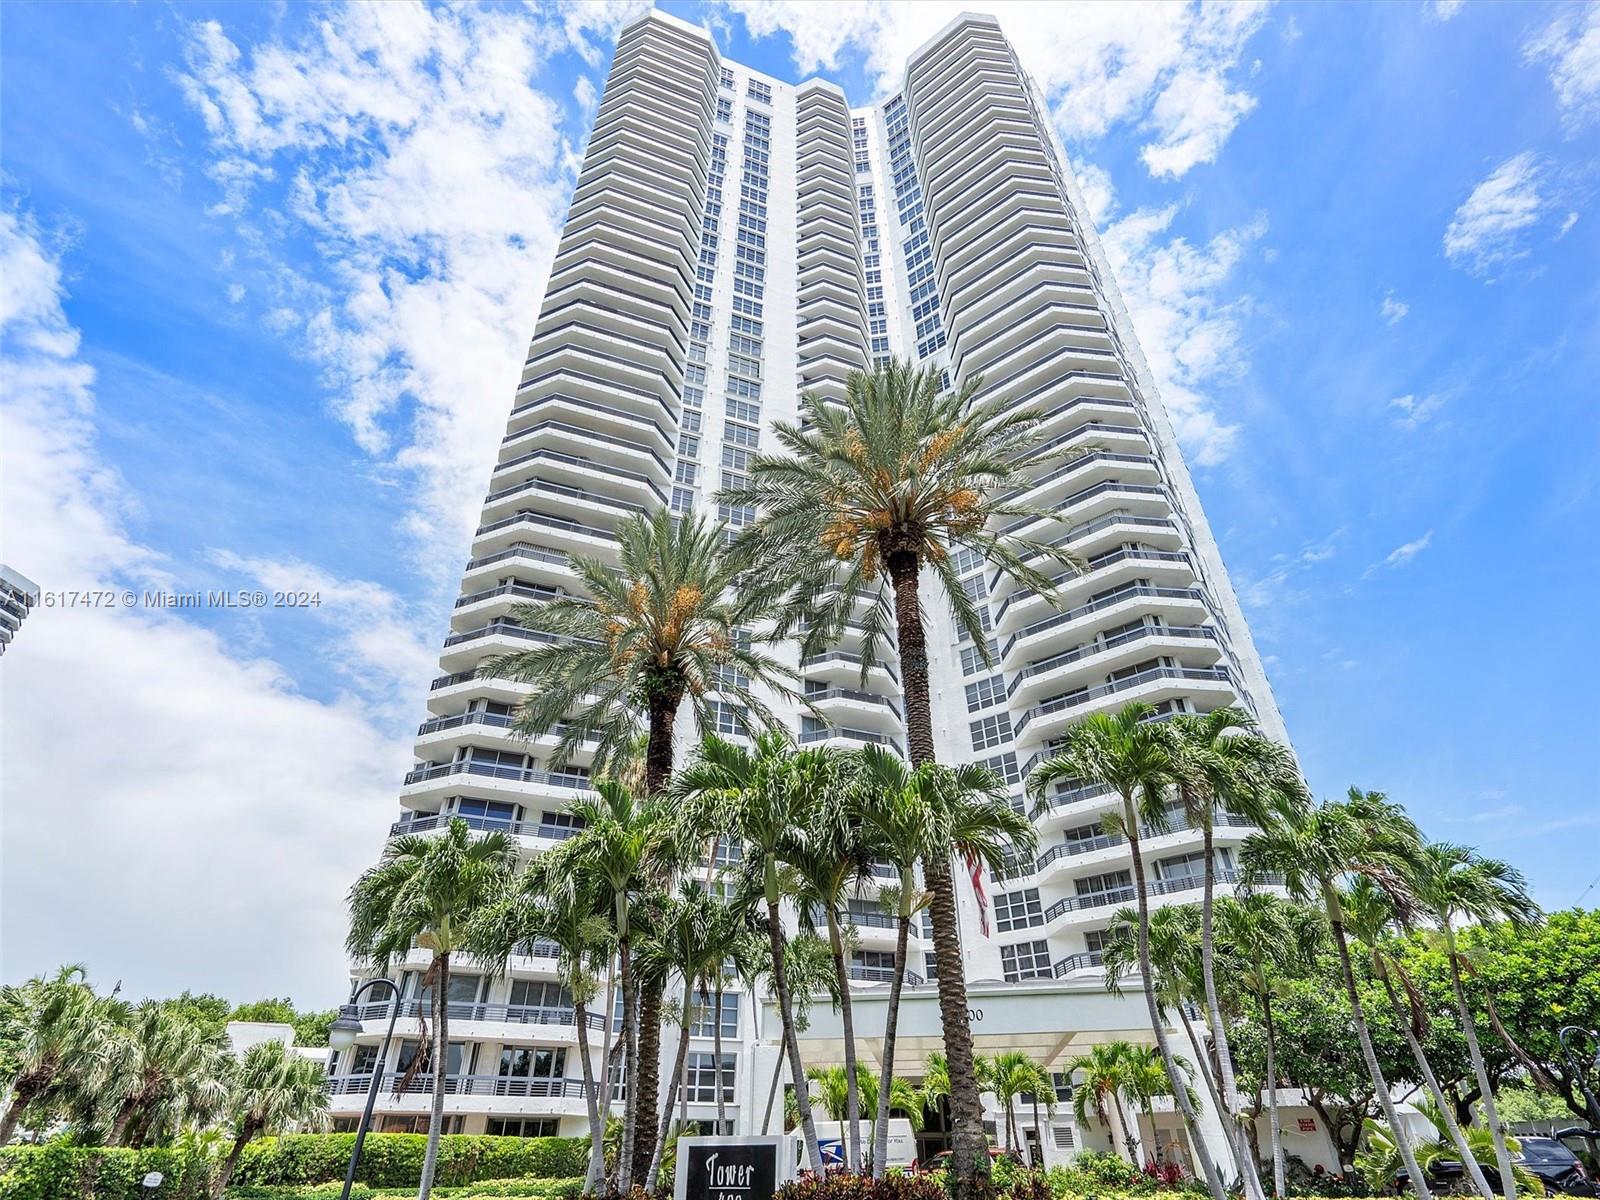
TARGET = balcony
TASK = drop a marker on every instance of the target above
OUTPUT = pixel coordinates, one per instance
(437, 821)
(1092, 651)
(845, 697)
(1133, 558)
(863, 974)
(492, 770)
(841, 733)
(457, 1085)
(1105, 841)
(1087, 960)
(1085, 697)
(504, 1014)
(1117, 897)
(1111, 600)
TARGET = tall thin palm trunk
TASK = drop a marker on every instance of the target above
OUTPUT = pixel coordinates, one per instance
(780, 983)
(597, 1150)
(777, 1077)
(1419, 1185)
(970, 1157)
(1446, 1113)
(597, 1127)
(441, 1071)
(1228, 1112)
(1201, 1057)
(1130, 1132)
(1280, 1169)
(673, 1083)
(852, 1093)
(630, 1074)
(716, 1049)
(1180, 1089)
(1491, 1116)
(891, 1023)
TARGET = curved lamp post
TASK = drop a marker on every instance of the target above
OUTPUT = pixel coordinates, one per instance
(341, 1036)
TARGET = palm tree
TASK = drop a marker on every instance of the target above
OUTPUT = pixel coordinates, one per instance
(1266, 938)
(53, 1028)
(271, 1088)
(1130, 754)
(1012, 1074)
(766, 797)
(683, 619)
(1105, 1075)
(684, 942)
(731, 954)
(1225, 766)
(551, 903)
(808, 970)
(918, 818)
(1455, 883)
(1147, 1078)
(1379, 1160)
(834, 866)
(161, 1071)
(1364, 834)
(899, 477)
(1369, 916)
(425, 891)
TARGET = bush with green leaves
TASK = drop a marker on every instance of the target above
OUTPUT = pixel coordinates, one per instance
(395, 1159)
(846, 1185)
(60, 1171)
(489, 1189)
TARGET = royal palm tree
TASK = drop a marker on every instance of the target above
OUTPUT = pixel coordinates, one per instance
(1012, 1074)
(1103, 1075)
(52, 1028)
(766, 796)
(553, 904)
(1133, 756)
(1312, 852)
(272, 1089)
(1369, 917)
(1147, 1078)
(919, 818)
(1266, 938)
(1455, 884)
(898, 478)
(1225, 766)
(1379, 1159)
(425, 891)
(732, 954)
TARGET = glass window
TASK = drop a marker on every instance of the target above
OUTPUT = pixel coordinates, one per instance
(1018, 910)
(1026, 960)
(703, 1077)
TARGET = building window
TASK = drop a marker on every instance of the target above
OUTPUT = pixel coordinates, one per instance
(523, 1126)
(991, 731)
(1005, 766)
(702, 1077)
(1018, 910)
(701, 1024)
(682, 500)
(972, 657)
(759, 91)
(727, 78)
(1025, 960)
(729, 720)
(985, 692)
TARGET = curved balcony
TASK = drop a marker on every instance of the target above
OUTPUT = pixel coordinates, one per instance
(526, 829)
(1118, 897)
(1171, 566)
(1049, 718)
(1072, 964)
(864, 974)
(439, 780)
(850, 739)
(1197, 642)
(1170, 602)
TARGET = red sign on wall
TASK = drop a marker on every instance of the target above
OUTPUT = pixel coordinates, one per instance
(1307, 1125)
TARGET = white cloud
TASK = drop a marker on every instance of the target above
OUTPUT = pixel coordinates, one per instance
(1444, 10)
(1394, 310)
(1165, 68)
(1416, 410)
(1098, 192)
(1401, 556)
(1284, 583)
(1486, 231)
(145, 757)
(1189, 331)
(1566, 225)
(432, 176)
(1570, 45)
(235, 293)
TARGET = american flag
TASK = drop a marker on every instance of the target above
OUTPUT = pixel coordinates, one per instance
(975, 866)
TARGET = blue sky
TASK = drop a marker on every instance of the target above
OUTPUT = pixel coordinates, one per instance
(268, 270)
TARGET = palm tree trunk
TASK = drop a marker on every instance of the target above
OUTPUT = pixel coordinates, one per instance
(1180, 1087)
(23, 1093)
(597, 1127)
(852, 1092)
(970, 1158)
(654, 1168)
(1419, 1185)
(441, 1071)
(891, 1022)
(597, 1150)
(1203, 1059)
(225, 1171)
(1130, 1133)
(1491, 1117)
(648, 1074)
(1280, 1169)
(1038, 1133)
(119, 1127)
(777, 1076)
(716, 1050)
(1226, 1084)
(630, 1060)
(780, 983)
(1457, 1139)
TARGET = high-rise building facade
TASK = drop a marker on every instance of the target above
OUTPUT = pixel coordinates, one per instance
(734, 241)
(18, 594)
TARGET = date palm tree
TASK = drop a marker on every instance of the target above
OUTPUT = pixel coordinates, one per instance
(900, 477)
(1103, 1075)
(1454, 884)
(1369, 917)
(1225, 766)
(549, 902)
(1133, 756)
(1266, 938)
(917, 818)
(1313, 851)
(767, 797)
(273, 1088)
(425, 891)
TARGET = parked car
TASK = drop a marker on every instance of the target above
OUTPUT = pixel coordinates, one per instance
(1557, 1167)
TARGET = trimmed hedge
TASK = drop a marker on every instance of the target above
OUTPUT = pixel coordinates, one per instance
(489, 1189)
(60, 1172)
(394, 1160)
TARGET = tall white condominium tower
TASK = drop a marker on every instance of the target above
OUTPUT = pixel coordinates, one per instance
(734, 240)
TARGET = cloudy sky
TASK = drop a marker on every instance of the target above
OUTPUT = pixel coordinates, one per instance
(265, 278)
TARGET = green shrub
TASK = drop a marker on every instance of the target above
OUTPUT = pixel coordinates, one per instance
(394, 1160)
(490, 1189)
(58, 1171)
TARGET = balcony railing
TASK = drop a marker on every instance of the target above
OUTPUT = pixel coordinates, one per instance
(1086, 960)
(1089, 695)
(494, 770)
(459, 1085)
(1090, 649)
(483, 825)
(858, 697)
(1078, 532)
(527, 591)
(1130, 592)
(854, 735)
(510, 1014)
(511, 630)
(1154, 887)
(1089, 493)
(854, 660)
(528, 517)
(1104, 841)
(883, 975)
(1096, 564)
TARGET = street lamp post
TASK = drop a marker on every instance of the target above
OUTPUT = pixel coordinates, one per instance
(341, 1036)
